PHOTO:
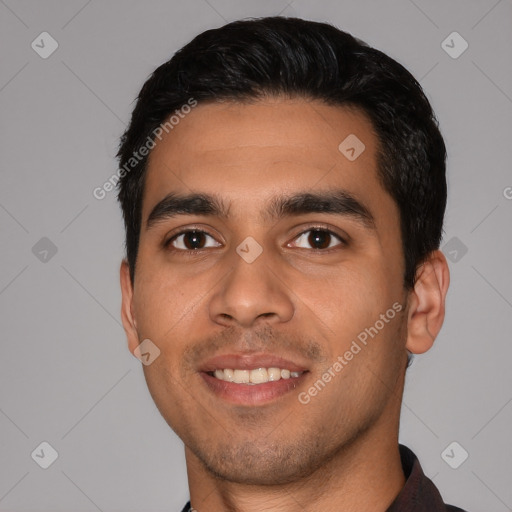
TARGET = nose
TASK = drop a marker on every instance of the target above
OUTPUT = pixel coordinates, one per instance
(250, 294)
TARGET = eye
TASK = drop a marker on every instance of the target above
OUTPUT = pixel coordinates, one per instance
(317, 239)
(192, 240)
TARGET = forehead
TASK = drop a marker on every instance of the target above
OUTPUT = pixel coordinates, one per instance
(249, 151)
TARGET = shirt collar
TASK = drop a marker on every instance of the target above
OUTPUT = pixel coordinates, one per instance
(419, 494)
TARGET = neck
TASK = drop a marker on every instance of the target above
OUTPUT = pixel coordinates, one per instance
(366, 475)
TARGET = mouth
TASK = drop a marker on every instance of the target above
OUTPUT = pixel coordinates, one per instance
(255, 376)
(251, 379)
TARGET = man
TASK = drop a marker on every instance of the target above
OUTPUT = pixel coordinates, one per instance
(283, 189)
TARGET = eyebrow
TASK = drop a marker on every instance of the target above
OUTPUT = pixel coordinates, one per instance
(192, 204)
(334, 202)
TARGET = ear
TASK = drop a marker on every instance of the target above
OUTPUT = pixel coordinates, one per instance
(127, 316)
(427, 303)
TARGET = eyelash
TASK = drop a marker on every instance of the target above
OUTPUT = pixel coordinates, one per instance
(168, 243)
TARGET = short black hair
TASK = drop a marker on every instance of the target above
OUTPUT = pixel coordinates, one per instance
(277, 56)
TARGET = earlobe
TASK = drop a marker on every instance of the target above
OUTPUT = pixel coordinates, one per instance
(127, 315)
(427, 303)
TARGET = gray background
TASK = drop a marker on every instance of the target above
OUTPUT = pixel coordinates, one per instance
(66, 376)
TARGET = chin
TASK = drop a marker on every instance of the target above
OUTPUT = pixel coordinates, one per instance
(250, 465)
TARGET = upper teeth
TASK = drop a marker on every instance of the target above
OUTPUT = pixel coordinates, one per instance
(257, 376)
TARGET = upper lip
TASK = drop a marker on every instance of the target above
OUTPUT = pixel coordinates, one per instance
(250, 362)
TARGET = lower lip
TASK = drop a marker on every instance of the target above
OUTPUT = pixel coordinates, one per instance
(251, 394)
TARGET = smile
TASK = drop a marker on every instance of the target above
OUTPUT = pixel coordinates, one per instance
(252, 379)
(255, 376)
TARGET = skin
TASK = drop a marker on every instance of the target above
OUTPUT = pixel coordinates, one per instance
(295, 301)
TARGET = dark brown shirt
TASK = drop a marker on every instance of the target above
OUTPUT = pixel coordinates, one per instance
(419, 494)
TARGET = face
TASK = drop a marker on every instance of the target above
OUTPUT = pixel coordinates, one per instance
(267, 255)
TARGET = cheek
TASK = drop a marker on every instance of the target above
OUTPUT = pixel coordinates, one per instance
(347, 301)
(171, 310)
(161, 303)
(164, 308)
(168, 393)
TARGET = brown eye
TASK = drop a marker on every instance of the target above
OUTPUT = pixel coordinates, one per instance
(317, 239)
(193, 240)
